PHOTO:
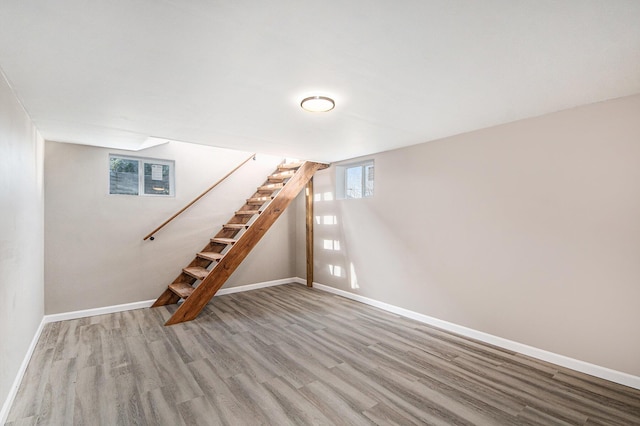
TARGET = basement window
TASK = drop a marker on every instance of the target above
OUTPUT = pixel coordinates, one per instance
(141, 176)
(355, 180)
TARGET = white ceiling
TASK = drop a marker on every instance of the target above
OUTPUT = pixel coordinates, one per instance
(232, 73)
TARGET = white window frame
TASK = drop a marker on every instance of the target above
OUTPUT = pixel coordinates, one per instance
(141, 162)
(341, 179)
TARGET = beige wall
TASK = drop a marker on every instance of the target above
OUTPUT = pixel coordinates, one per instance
(529, 231)
(95, 255)
(21, 236)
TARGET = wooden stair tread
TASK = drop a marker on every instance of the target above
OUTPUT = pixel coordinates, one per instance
(279, 177)
(290, 166)
(270, 187)
(247, 212)
(259, 200)
(183, 290)
(283, 175)
(235, 226)
(196, 272)
(223, 240)
(210, 255)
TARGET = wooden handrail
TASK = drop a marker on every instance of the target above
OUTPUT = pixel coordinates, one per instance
(150, 235)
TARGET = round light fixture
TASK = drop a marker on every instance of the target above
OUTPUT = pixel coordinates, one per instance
(317, 104)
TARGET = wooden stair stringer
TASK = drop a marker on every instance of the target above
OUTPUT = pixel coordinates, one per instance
(202, 294)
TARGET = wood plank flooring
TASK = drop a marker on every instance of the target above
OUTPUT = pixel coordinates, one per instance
(290, 355)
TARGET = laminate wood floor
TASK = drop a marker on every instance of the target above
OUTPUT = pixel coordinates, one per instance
(289, 355)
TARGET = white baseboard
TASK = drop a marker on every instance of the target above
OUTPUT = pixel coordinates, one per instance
(561, 360)
(13, 390)
(64, 316)
(249, 287)
(147, 303)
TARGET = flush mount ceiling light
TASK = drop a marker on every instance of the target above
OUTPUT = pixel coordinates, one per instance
(317, 104)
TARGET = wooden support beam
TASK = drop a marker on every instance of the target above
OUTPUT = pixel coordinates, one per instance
(309, 216)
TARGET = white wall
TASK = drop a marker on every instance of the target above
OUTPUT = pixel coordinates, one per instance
(95, 255)
(21, 236)
(528, 231)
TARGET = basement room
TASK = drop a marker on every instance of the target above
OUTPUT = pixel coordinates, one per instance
(320, 213)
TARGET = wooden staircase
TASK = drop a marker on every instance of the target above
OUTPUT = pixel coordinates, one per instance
(213, 265)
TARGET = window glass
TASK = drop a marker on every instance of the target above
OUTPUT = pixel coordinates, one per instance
(355, 180)
(140, 176)
(156, 179)
(368, 182)
(123, 176)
